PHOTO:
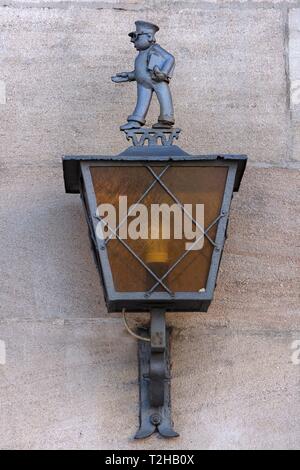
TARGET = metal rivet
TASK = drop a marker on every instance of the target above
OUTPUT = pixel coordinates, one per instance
(155, 419)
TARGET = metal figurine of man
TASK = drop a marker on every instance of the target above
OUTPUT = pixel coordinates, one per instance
(153, 69)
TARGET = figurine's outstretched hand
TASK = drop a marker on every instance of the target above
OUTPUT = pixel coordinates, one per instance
(120, 77)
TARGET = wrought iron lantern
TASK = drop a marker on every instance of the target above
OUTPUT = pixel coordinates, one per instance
(160, 247)
(156, 275)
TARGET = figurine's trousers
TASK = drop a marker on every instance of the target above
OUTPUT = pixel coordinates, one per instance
(144, 95)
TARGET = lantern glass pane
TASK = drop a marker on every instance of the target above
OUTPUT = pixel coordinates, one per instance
(153, 234)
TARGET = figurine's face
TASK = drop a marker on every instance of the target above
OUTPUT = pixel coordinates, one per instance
(142, 41)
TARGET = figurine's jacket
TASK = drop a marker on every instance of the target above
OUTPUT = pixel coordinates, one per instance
(147, 60)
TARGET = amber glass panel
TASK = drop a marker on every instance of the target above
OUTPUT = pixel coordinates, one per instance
(191, 185)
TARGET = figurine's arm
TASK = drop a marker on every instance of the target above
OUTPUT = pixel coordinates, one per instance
(168, 66)
(123, 77)
(165, 71)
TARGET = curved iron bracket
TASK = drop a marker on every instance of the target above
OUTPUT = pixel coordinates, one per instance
(154, 380)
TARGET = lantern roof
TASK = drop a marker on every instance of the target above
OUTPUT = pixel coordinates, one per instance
(71, 163)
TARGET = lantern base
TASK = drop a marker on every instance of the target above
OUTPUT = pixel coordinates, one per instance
(154, 380)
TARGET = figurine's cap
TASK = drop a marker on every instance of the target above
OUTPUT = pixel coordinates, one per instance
(144, 27)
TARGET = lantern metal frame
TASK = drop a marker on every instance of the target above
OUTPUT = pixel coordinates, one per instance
(78, 179)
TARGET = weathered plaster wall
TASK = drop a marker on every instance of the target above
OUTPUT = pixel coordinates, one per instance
(70, 378)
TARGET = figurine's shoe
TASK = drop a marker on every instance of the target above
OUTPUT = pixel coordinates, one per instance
(130, 125)
(162, 125)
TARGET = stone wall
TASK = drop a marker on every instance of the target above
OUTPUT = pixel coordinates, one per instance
(70, 377)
